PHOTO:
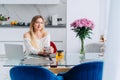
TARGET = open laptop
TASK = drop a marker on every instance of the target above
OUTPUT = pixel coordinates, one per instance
(14, 54)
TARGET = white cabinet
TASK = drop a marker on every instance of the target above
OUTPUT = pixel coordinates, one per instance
(12, 36)
(29, 1)
(58, 36)
(15, 36)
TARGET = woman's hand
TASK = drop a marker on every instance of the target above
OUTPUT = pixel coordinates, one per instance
(51, 49)
(43, 54)
(48, 50)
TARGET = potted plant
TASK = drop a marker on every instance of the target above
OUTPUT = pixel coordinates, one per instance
(3, 19)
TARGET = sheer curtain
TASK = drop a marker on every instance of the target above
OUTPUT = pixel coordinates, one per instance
(112, 53)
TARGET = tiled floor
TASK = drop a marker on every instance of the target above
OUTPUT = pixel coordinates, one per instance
(4, 71)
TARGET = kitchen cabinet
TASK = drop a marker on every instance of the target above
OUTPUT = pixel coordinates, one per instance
(11, 36)
(58, 36)
(15, 36)
(29, 1)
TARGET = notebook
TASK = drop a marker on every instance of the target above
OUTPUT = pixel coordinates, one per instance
(14, 54)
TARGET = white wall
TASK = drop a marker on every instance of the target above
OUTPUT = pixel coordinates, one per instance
(90, 9)
(104, 17)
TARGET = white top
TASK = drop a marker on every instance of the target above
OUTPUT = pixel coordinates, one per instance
(43, 42)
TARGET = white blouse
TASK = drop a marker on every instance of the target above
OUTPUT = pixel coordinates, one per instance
(43, 42)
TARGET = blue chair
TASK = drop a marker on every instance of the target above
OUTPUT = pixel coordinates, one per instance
(32, 73)
(85, 71)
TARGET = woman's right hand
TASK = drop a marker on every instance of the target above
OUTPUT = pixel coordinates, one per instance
(43, 54)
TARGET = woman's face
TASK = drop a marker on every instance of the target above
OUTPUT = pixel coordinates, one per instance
(39, 24)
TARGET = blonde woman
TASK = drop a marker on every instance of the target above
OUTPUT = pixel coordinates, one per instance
(37, 38)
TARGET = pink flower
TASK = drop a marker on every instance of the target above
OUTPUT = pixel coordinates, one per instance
(84, 25)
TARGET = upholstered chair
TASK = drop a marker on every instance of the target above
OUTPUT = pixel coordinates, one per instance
(32, 73)
(94, 48)
(84, 71)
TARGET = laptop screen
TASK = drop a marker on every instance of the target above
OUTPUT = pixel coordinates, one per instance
(14, 51)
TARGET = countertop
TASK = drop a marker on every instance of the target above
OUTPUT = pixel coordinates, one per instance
(47, 26)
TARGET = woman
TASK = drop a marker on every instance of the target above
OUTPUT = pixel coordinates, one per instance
(37, 39)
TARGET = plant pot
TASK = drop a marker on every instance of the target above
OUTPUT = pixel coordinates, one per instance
(2, 22)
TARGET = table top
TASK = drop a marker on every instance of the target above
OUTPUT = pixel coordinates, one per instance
(69, 60)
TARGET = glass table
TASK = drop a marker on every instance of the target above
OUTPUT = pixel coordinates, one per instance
(71, 60)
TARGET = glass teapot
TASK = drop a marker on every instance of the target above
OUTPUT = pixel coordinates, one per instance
(60, 57)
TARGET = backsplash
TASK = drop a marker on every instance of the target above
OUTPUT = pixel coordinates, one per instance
(24, 12)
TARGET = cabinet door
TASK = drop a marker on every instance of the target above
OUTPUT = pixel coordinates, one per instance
(29, 1)
(58, 36)
(12, 34)
(60, 45)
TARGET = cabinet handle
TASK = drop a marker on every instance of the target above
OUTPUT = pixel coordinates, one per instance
(57, 41)
(11, 41)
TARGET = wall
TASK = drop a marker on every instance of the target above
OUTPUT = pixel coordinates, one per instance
(104, 17)
(112, 53)
(24, 12)
(93, 10)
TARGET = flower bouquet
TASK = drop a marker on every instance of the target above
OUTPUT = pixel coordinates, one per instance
(83, 27)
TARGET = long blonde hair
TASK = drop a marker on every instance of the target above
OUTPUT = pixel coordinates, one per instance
(32, 35)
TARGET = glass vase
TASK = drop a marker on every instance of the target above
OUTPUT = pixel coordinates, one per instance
(82, 51)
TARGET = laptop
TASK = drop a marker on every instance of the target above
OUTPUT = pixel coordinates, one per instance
(14, 54)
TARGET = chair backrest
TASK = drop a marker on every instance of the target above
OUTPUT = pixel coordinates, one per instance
(31, 73)
(94, 48)
(85, 71)
(54, 46)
